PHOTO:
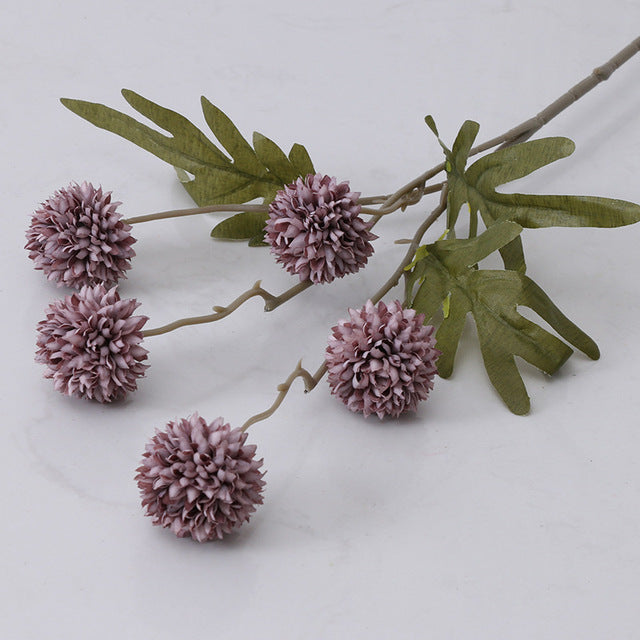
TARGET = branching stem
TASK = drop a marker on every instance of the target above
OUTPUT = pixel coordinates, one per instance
(310, 382)
(413, 247)
(271, 303)
(526, 129)
(412, 192)
(410, 198)
(409, 194)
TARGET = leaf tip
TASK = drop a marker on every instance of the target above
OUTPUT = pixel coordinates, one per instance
(594, 351)
(68, 103)
(431, 123)
(568, 146)
(521, 410)
(206, 104)
(257, 138)
(472, 126)
(132, 97)
(518, 403)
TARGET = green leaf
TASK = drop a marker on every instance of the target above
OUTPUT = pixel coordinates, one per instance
(477, 186)
(512, 253)
(492, 298)
(231, 139)
(431, 123)
(460, 255)
(243, 226)
(272, 157)
(244, 175)
(258, 241)
(191, 151)
(300, 160)
(537, 211)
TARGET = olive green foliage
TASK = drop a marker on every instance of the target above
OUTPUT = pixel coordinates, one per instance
(443, 276)
(446, 274)
(449, 272)
(209, 175)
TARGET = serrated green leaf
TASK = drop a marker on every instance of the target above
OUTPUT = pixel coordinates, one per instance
(538, 211)
(272, 157)
(217, 178)
(460, 255)
(231, 139)
(242, 226)
(512, 253)
(300, 160)
(492, 298)
(477, 185)
(193, 154)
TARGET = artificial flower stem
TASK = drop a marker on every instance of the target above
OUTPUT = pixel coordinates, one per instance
(526, 129)
(259, 208)
(310, 382)
(214, 208)
(411, 198)
(271, 303)
(275, 301)
(413, 247)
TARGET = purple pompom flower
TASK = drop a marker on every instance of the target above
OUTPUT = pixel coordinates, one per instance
(78, 238)
(90, 344)
(200, 480)
(382, 359)
(315, 230)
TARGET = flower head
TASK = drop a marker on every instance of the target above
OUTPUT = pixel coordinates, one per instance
(78, 238)
(382, 359)
(200, 480)
(315, 230)
(90, 344)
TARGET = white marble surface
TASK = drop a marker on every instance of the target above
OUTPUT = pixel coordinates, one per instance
(464, 522)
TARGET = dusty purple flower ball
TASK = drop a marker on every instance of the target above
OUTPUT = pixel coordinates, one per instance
(382, 359)
(90, 344)
(315, 230)
(78, 238)
(200, 480)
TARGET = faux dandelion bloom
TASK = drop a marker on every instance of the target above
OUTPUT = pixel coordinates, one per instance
(382, 359)
(315, 230)
(90, 344)
(200, 480)
(78, 238)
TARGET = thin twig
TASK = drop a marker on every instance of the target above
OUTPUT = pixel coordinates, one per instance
(214, 208)
(413, 247)
(412, 192)
(412, 197)
(271, 303)
(399, 199)
(526, 129)
(310, 382)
